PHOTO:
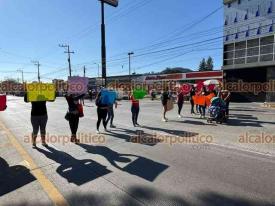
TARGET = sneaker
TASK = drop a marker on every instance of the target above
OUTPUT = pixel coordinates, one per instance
(200, 116)
(137, 124)
(45, 145)
(179, 116)
(97, 131)
(164, 120)
(106, 130)
(112, 126)
(34, 145)
(75, 140)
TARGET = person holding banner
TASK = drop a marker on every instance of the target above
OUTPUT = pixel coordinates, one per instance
(73, 114)
(202, 102)
(39, 118)
(164, 100)
(135, 110)
(102, 112)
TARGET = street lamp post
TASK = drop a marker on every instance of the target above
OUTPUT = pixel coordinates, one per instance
(97, 69)
(129, 54)
(36, 63)
(22, 73)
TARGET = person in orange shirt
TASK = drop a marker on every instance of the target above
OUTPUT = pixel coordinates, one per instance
(202, 105)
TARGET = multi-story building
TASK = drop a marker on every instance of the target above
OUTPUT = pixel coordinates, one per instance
(249, 52)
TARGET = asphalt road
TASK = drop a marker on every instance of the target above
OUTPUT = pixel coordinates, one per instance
(158, 169)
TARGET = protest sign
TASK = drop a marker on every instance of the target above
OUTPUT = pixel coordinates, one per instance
(3, 102)
(139, 94)
(77, 85)
(37, 92)
(108, 97)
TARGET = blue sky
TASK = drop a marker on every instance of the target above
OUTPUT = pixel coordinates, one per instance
(32, 30)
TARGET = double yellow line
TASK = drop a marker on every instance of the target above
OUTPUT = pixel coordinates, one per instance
(46, 184)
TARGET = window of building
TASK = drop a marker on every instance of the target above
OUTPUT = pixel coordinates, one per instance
(229, 5)
(236, 19)
(247, 33)
(267, 40)
(259, 31)
(258, 11)
(227, 38)
(239, 1)
(271, 28)
(229, 47)
(246, 15)
(270, 8)
(226, 21)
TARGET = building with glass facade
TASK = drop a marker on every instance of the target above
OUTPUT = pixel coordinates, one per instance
(249, 52)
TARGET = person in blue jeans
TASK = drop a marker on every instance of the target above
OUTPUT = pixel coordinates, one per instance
(111, 115)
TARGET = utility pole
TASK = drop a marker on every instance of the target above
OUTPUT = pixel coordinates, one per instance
(22, 74)
(67, 51)
(36, 63)
(84, 71)
(129, 54)
(113, 3)
(103, 45)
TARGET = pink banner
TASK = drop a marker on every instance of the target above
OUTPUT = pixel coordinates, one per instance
(77, 85)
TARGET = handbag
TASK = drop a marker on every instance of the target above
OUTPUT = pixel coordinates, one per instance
(80, 110)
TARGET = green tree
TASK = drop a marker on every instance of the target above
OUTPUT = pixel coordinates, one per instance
(202, 66)
(209, 64)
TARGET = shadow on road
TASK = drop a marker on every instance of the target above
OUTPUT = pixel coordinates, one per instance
(12, 178)
(135, 136)
(172, 132)
(138, 195)
(247, 122)
(218, 199)
(74, 170)
(141, 166)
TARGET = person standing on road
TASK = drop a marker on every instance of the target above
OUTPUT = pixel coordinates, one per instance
(180, 101)
(192, 94)
(135, 110)
(73, 114)
(102, 111)
(164, 100)
(39, 118)
(111, 114)
(225, 95)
